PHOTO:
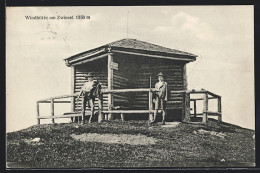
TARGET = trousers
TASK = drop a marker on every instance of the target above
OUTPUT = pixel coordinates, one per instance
(91, 105)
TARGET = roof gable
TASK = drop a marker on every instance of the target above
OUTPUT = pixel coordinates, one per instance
(141, 45)
(131, 46)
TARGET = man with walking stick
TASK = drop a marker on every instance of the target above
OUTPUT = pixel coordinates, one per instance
(89, 91)
(162, 94)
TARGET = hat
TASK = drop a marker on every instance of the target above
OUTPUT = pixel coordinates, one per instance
(90, 74)
(160, 74)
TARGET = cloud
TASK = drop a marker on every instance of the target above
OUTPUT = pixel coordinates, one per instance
(183, 24)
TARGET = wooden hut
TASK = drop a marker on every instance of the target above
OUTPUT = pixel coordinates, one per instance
(128, 64)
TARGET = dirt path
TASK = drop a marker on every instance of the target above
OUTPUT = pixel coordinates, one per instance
(115, 138)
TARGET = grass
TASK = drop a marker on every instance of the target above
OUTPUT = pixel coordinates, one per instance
(175, 147)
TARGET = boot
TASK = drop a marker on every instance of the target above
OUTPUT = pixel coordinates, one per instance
(82, 119)
(163, 117)
(155, 116)
(163, 122)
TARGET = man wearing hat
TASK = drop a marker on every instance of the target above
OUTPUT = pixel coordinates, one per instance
(161, 97)
(88, 92)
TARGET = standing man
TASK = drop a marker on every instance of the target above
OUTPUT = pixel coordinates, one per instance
(161, 97)
(88, 92)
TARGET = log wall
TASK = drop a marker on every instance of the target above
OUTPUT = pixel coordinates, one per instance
(133, 72)
(99, 68)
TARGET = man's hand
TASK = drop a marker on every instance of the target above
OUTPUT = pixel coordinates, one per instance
(78, 98)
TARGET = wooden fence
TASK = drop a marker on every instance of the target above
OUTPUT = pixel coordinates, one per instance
(103, 114)
(206, 113)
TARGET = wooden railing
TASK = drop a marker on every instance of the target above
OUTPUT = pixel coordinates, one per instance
(102, 113)
(53, 100)
(206, 113)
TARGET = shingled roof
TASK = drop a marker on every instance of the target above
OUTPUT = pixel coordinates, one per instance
(131, 46)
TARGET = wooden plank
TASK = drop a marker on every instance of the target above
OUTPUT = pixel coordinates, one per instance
(60, 97)
(211, 113)
(127, 111)
(197, 114)
(187, 107)
(89, 60)
(214, 95)
(72, 88)
(88, 56)
(122, 117)
(100, 107)
(219, 110)
(52, 110)
(185, 82)
(205, 108)
(38, 112)
(110, 84)
(62, 101)
(195, 108)
(193, 99)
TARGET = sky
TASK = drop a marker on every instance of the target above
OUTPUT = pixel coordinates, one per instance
(221, 36)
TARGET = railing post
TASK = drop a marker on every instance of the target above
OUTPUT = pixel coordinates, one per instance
(205, 108)
(220, 111)
(52, 110)
(110, 84)
(122, 117)
(100, 107)
(38, 113)
(187, 107)
(150, 106)
(183, 106)
(195, 109)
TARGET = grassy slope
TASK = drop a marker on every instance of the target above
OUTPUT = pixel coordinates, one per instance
(177, 147)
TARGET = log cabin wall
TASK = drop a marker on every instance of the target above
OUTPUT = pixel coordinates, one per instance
(122, 80)
(146, 66)
(138, 70)
(99, 68)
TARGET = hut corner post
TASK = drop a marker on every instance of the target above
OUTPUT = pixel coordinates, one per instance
(110, 84)
(186, 98)
(72, 90)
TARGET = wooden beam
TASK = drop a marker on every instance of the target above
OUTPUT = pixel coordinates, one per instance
(214, 95)
(89, 60)
(38, 112)
(211, 113)
(205, 108)
(122, 117)
(88, 56)
(219, 110)
(110, 84)
(185, 82)
(127, 111)
(72, 88)
(52, 110)
(150, 105)
(61, 101)
(183, 107)
(193, 99)
(155, 56)
(187, 107)
(100, 108)
(60, 97)
(195, 108)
